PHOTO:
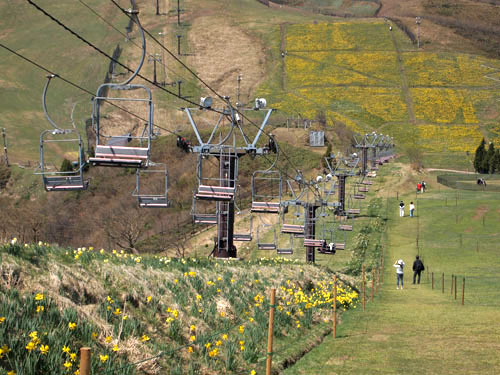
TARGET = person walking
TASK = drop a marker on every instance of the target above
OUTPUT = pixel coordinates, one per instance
(401, 209)
(412, 209)
(418, 267)
(399, 272)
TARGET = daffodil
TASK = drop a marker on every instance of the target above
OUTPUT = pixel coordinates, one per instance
(39, 297)
(44, 349)
(66, 349)
(72, 357)
(68, 365)
(190, 349)
(71, 326)
(116, 348)
(192, 338)
(145, 338)
(108, 339)
(2, 319)
(39, 308)
(103, 358)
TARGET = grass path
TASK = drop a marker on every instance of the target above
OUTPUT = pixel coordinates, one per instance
(419, 330)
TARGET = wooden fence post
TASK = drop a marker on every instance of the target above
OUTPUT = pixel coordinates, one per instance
(455, 288)
(463, 291)
(363, 288)
(442, 283)
(433, 280)
(451, 290)
(85, 361)
(269, 360)
(334, 306)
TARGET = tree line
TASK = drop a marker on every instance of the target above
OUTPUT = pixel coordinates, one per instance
(487, 161)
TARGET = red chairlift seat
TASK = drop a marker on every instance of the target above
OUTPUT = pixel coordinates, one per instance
(216, 193)
(266, 207)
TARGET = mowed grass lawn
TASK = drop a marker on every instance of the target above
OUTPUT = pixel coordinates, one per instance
(419, 330)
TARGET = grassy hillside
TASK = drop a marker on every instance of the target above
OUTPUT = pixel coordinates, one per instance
(420, 329)
(155, 314)
(363, 75)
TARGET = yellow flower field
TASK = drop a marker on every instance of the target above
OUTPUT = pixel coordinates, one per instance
(456, 138)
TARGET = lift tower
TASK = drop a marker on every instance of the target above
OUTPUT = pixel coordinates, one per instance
(222, 186)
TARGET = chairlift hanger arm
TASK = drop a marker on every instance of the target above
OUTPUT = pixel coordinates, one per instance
(44, 102)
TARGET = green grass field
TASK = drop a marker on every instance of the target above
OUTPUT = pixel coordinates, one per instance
(420, 329)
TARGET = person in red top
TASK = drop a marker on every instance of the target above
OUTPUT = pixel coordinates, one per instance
(419, 187)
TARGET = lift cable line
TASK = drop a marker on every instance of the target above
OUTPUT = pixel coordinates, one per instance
(80, 87)
(106, 55)
(139, 75)
(127, 38)
(69, 82)
(200, 79)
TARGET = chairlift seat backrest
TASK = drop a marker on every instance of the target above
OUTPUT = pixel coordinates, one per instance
(242, 237)
(64, 183)
(120, 156)
(205, 219)
(266, 207)
(367, 182)
(158, 202)
(284, 251)
(359, 196)
(266, 246)
(313, 242)
(354, 211)
(292, 228)
(216, 193)
(345, 227)
(340, 246)
(364, 189)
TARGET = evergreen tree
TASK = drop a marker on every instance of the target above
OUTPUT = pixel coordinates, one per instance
(66, 166)
(489, 159)
(479, 156)
(496, 160)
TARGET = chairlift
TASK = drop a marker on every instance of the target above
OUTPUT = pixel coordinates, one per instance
(350, 207)
(246, 236)
(156, 196)
(62, 180)
(70, 180)
(267, 188)
(221, 187)
(293, 228)
(113, 149)
(202, 218)
(285, 250)
(266, 245)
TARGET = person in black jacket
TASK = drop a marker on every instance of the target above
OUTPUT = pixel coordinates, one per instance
(418, 267)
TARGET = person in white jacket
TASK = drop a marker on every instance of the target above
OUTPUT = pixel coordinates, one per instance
(399, 272)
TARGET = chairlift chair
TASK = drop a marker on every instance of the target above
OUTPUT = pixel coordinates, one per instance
(202, 218)
(266, 245)
(212, 188)
(293, 228)
(285, 250)
(113, 150)
(157, 198)
(267, 202)
(59, 180)
(247, 236)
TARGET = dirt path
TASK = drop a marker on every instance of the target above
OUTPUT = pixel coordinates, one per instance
(404, 81)
(447, 170)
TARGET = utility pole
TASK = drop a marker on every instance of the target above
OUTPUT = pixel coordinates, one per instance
(238, 103)
(179, 83)
(5, 147)
(418, 20)
(154, 59)
(178, 13)
(162, 34)
(179, 45)
(157, 7)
